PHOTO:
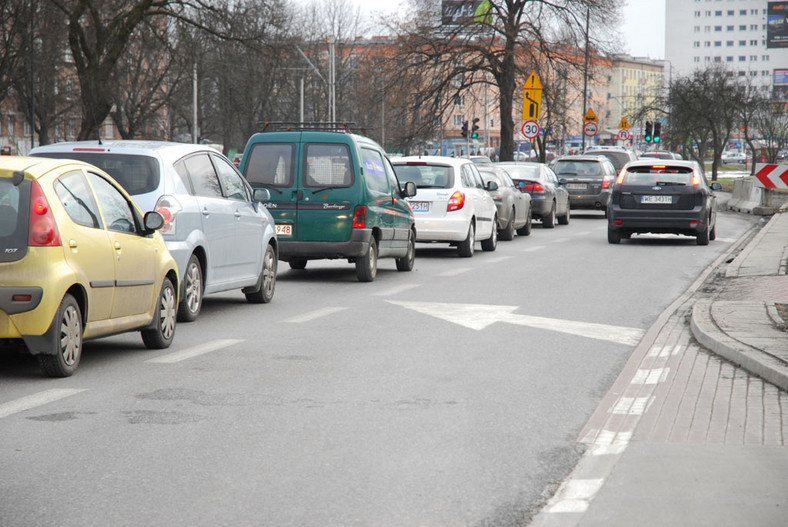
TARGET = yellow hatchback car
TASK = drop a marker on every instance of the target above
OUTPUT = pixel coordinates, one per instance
(78, 261)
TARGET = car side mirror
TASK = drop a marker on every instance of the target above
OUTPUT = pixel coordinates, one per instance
(410, 190)
(153, 221)
(261, 195)
(492, 185)
(562, 181)
(716, 186)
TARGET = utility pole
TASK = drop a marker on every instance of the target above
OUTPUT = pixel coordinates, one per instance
(585, 84)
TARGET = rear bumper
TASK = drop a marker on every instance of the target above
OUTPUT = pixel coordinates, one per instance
(315, 250)
(446, 229)
(540, 205)
(589, 201)
(689, 222)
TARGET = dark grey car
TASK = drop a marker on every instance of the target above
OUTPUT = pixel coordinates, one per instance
(661, 196)
(549, 197)
(514, 207)
(589, 179)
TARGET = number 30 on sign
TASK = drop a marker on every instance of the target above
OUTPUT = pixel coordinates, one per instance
(530, 129)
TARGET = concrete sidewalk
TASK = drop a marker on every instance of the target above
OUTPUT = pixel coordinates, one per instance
(694, 431)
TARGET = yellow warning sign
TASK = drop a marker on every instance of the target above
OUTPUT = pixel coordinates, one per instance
(532, 98)
(624, 123)
(590, 116)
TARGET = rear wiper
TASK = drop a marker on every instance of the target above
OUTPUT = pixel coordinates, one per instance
(327, 188)
(567, 173)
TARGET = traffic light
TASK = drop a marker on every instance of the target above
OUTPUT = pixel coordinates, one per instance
(474, 133)
(657, 127)
(465, 129)
(648, 132)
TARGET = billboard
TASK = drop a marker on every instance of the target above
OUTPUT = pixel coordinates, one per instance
(780, 88)
(777, 25)
(459, 12)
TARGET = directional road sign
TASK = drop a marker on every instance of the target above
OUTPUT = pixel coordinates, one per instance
(532, 98)
(771, 176)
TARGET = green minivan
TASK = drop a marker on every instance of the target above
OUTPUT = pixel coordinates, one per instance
(333, 195)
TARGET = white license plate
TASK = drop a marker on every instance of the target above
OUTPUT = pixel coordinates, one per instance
(420, 206)
(656, 199)
(576, 186)
(284, 230)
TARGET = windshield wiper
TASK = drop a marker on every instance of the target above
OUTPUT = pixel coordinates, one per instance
(327, 188)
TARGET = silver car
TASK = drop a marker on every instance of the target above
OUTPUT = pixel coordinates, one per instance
(216, 227)
(514, 207)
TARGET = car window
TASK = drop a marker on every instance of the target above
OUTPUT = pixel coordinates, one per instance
(232, 182)
(374, 171)
(74, 193)
(662, 175)
(117, 210)
(425, 176)
(550, 176)
(327, 165)
(391, 175)
(202, 176)
(271, 164)
(488, 176)
(137, 174)
(9, 209)
(477, 178)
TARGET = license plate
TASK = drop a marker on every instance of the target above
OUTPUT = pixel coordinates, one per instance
(576, 186)
(656, 199)
(420, 206)
(284, 230)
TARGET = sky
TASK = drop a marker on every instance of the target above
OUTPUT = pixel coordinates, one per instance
(641, 16)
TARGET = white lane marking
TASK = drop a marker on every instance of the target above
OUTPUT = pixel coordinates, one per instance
(655, 376)
(498, 259)
(455, 272)
(312, 315)
(575, 495)
(560, 240)
(194, 351)
(478, 317)
(532, 249)
(396, 290)
(37, 399)
(581, 234)
(726, 240)
(631, 406)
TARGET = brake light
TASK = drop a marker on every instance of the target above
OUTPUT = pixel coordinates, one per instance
(605, 183)
(659, 166)
(533, 187)
(456, 201)
(169, 208)
(360, 217)
(43, 230)
(620, 179)
(695, 179)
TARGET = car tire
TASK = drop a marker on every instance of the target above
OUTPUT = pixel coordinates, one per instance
(507, 233)
(67, 350)
(548, 221)
(466, 247)
(266, 282)
(703, 236)
(164, 319)
(406, 262)
(297, 263)
(491, 243)
(564, 220)
(193, 288)
(367, 265)
(525, 230)
(713, 233)
(613, 236)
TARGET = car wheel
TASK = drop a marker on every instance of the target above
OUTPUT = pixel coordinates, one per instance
(266, 283)
(492, 242)
(713, 233)
(613, 236)
(193, 288)
(564, 220)
(367, 265)
(297, 263)
(466, 247)
(548, 221)
(525, 230)
(703, 236)
(68, 341)
(406, 262)
(164, 318)
(507, 233)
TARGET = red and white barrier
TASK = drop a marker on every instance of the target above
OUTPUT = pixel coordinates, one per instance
(771, 176)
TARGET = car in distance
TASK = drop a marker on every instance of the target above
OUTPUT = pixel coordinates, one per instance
(514, 207)
(618, 155)
(659, 154)
(451, 204)
(334, 195)
(549, 197)
(588, 179)
(733, 158)
(79, 261)
(215, 225)
(656, 196)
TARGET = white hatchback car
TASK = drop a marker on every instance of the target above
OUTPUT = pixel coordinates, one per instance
(451, 204)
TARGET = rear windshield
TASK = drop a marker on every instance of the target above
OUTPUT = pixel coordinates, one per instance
(425, 176)
(658, 175)
(327, 165)
(14, 200)
(270, 164)
(578, 168)
(619, 159)
(136, 174)
(523, 171)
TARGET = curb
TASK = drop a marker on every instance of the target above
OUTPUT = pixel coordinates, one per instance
(714, 339)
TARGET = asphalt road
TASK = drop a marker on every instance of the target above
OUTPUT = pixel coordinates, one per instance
(451, 395)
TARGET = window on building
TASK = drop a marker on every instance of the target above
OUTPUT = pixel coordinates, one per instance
(717, 28)
(696, 59)
(753, 58)
(753, 27)
(742, 42)
(717, 59)
(459, 100)
(718, 43)
(743, 28)
(730, 12)
(696, 29)
(10, 126)
(742, 12)
(718, 13)
(458, 119)
(707, 44)
(728, 28)
(696, 44)
(742, 58)
(728, 59)
(753, 42)
(765, 58)
(729, 43)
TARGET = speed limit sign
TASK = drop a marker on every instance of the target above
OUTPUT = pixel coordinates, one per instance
(590, 129)
(530, 129)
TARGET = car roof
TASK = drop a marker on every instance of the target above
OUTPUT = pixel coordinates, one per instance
(434, 160)
(36, 167)
(583, 157)
(308, 134)
(667, 162)
(165, 150)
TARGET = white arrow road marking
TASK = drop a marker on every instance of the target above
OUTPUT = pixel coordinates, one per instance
(478, 317)
(35, 400)
(194, 351)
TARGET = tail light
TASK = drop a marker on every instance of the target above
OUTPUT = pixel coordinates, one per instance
(169, 208)
(360, 217)
(43, 230)
(533, 187)
(695, 179)
(456, 201)
(606, 183)
(621, 177)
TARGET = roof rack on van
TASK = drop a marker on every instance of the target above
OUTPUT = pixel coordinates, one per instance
(318, 126)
